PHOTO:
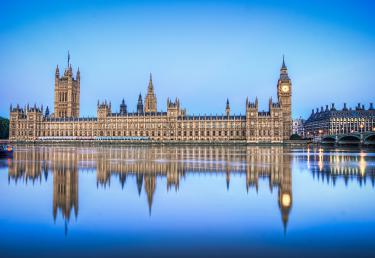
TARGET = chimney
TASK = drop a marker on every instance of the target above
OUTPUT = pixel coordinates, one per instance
(326, 108)
(371, 106)
(345, 108)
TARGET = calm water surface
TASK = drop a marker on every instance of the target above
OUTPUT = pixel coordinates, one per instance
(167, 201)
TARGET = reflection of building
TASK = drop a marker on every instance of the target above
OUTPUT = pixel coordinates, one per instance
(147, 164)
(330, 167)
(330, 121)
(65, 185)
(31, 168)
(33, 124)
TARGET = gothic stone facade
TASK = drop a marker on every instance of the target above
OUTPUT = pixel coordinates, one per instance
(32, 124)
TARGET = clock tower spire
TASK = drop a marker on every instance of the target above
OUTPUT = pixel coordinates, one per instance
(284, 95)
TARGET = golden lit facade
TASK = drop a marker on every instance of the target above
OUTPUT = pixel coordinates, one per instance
(32, 124)
(67, 93)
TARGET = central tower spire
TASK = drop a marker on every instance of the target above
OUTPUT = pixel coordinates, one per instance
(150, 101)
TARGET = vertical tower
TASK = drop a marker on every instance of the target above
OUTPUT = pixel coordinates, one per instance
(123, 108)
(227, 108)
(252, 124)
(67, 92)
(140, 104)
(150, 100)
(284, 95)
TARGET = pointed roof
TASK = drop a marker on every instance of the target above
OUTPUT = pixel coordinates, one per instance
(150, 84)
(139, 179)
(68, 58)
(283, 66)
(284, 72)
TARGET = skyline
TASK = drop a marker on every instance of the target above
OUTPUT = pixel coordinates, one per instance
(233, 49)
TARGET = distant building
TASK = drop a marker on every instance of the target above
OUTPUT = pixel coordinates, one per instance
(297, 127)
(330, 121)
(147, 123)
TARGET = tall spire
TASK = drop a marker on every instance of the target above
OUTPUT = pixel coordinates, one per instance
(227, 108)
(150, 84)
(68, 59)
(283, 65)
(284, 71)
(140, 104)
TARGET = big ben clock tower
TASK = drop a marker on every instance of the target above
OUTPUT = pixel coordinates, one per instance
(284, 95)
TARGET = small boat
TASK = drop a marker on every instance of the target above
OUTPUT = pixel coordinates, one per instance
(6, 150)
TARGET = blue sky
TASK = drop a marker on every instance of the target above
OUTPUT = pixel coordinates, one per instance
(199, 51)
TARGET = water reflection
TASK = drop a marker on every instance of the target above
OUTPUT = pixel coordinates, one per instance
(33, 164)
(329, 165)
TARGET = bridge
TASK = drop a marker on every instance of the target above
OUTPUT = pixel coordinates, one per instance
(355, 138)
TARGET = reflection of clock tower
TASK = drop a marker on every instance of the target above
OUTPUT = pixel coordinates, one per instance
(284, 95)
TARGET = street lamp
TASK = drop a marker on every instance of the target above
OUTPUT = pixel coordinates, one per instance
(361, 126)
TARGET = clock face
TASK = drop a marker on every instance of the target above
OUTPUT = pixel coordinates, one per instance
(285, 88)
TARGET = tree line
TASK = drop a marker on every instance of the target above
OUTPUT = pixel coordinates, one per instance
(4, 128)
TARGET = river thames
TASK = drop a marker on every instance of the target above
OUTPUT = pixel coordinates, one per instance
(180, 201)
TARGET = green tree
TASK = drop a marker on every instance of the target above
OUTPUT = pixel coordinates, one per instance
(295, 137)
(4, 128)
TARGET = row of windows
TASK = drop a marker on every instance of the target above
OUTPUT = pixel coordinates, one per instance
(237, 133)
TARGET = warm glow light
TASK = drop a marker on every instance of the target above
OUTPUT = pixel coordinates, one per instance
(362, 164)
(320, 162)
(285, 200)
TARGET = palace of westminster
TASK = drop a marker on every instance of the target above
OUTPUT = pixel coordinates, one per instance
(33, 124)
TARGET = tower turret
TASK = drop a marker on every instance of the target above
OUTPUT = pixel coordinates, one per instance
(150, 100)
(227, 108)
(78, 76)
(57, 72)
(47, 112)
(140, 104)
(123, 108)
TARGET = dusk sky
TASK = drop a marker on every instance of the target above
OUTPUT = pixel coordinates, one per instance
(200, 51)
